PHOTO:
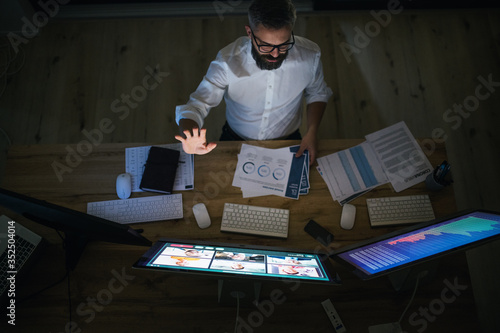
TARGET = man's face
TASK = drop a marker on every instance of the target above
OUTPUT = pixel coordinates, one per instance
(267, 38)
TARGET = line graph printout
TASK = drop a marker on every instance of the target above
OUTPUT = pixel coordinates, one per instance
(435, 239)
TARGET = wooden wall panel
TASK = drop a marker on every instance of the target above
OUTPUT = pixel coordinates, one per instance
(412, 66)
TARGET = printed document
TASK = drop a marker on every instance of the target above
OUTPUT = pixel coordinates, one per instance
(389, 155)
(263, 171)
(400, 155)
(351, 172)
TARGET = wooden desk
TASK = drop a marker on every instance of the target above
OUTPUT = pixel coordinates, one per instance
(159, 302)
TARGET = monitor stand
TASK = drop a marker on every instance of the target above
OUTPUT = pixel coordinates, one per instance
(73, 242)
(247, 291)
(407, 278)
(74, 245)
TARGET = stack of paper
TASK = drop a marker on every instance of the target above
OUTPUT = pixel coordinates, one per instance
(389, 155)
(351, 172)
(263, 171)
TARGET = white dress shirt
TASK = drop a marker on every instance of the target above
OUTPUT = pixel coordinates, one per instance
(260, 104)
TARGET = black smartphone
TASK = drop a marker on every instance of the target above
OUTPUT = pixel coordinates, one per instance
(318, 233)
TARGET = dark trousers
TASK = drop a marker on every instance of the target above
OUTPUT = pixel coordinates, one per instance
(229, 135)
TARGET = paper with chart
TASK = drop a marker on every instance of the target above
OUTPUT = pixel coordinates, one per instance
(400, 155)
(304, 185)
(262, 171)
(389, 155)
(351, 172)
(135, 159)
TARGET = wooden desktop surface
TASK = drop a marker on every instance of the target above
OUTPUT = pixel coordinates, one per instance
(107, 295)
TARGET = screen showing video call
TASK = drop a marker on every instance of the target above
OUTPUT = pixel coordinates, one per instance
(217, 259)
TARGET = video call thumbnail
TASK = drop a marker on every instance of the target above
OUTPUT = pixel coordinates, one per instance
(238, 261)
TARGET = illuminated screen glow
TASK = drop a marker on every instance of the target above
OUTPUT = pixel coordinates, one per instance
(422, 243)
(234, 260)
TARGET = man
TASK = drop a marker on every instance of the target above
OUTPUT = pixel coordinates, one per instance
(263, 78)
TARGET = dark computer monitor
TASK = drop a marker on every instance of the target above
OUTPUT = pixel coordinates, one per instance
(78, 227)
(420, 244)
(232, 264)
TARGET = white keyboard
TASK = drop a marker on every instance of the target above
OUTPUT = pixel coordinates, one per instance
(255, 220)
(135, 210)
(399, 210)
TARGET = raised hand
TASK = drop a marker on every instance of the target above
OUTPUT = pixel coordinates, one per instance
(196, 143)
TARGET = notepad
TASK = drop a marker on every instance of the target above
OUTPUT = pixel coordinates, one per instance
(159, 170)
(136, 157)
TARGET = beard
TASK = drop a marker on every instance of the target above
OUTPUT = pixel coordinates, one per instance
(261, 59)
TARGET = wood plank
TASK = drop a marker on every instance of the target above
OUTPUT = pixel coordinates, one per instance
(74, 70)
(150, 301)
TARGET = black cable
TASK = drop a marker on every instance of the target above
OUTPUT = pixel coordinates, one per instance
(69, 295)
(237, 310)
(68, 271)
(44, 289)
(420, 275)
(67, 276)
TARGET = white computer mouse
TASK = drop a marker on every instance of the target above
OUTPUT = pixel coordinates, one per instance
(124, 185)
(348, 216)
(201, 215)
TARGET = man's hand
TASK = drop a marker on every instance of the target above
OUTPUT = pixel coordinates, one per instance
(309, 142)
(196, 142)
(315, 112)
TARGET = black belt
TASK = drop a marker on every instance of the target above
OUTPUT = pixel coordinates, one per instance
(229, 135)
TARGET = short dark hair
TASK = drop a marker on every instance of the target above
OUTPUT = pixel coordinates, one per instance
(272, 14)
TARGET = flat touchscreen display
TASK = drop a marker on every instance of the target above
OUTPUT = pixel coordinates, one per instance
(436, 239)
(261, 262)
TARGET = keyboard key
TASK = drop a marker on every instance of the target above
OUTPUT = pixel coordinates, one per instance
(135, 210)
(255, 220)
(399, 210)
(23, 249)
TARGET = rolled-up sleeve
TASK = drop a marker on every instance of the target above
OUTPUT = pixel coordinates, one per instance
(208, 94)
(317, 90)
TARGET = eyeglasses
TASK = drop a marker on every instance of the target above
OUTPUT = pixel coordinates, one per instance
(268, 48)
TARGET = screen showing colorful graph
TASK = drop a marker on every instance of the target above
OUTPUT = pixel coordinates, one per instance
(422, 243)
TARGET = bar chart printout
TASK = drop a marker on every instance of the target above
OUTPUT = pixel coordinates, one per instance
(422, 243)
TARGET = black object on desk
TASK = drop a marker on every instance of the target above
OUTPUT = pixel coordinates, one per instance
(318, 233)
(440, 177)
(160, 169)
